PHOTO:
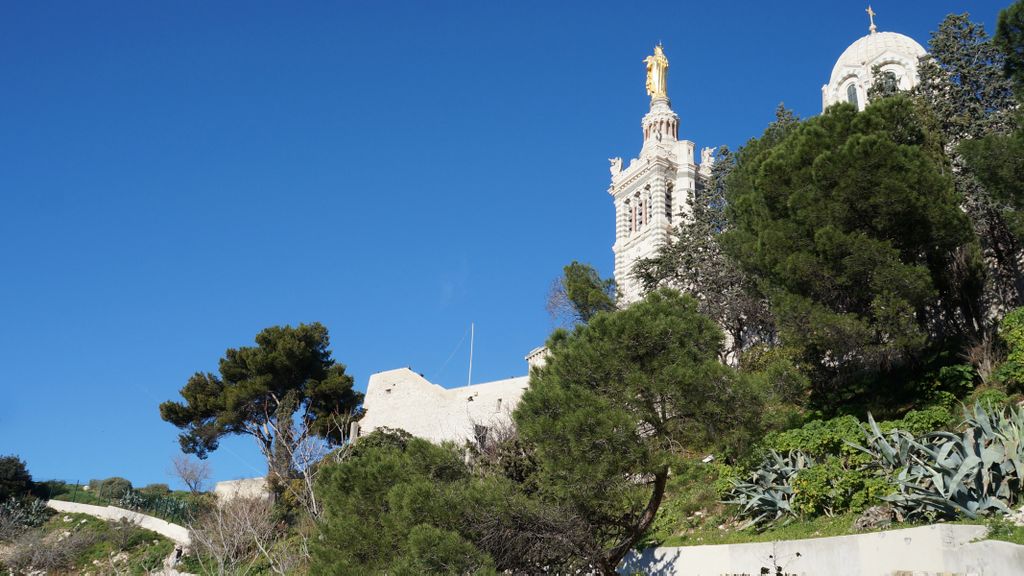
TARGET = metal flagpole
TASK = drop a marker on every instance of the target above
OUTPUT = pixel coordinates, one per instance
(469, 379)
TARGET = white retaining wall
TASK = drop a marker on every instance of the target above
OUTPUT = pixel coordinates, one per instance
(179, 534)
(925, 550)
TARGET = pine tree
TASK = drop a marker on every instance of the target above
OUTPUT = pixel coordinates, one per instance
(282, 392)
(963, 83)
(622, 398)
(849, 224)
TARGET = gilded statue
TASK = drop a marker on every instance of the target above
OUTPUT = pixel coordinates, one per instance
(657, 73)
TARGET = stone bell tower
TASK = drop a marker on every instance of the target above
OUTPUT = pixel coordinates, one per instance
(654, 193)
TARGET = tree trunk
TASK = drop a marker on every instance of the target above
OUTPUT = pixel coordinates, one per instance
(614, 556)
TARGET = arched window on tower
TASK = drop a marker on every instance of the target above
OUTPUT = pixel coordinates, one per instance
(638, 213)
(851, 95)
(624, 215)
(668, 202)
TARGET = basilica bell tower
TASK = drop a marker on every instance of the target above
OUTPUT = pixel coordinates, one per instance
(654, 193)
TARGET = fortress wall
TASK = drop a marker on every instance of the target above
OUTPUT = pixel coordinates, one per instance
(244, 488)
(404, 399)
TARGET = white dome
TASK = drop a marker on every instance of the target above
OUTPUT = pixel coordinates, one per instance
(866, 50)
(852, 75)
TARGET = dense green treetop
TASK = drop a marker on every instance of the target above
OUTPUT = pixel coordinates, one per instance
(622, 398)
(1009, 39)
(850, 225)
(963, 81)
(396, 506)
(997, 159)
(15, 479)
(288, 379)
(580, 294)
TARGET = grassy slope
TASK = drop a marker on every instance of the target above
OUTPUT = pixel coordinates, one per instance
(140, 550)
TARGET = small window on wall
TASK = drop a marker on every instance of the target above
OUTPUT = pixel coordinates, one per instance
(480, 435)
(851, 95)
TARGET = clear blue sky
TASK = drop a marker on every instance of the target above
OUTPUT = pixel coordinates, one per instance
(176, 176)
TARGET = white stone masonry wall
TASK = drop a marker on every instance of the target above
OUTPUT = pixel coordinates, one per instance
(404, 399)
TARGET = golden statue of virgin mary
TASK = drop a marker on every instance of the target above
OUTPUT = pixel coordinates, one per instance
(657, 73)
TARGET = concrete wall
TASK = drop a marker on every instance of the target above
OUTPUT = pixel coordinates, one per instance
(404, 399)
(179, 534)
(244, 488)
(925, 550)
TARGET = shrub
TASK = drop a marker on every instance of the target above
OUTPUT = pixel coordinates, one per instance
(991, 398)
(818, 438)
(431, 550)
(20, 514)
(835, 487)
(14, 477)
(377, 501)
(35, 551)
(155, 490)
(918, 422)
(955, 379)
(1011, 330)
(110, 488)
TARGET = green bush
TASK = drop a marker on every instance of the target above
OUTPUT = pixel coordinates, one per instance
(378, 501)
(945, 381)
(14, 477)
(431, 550)
(110, 488)
(1011, 330)
(923, 421)
(839, 482)
(991, 398)
(818, 438)
(973, 473)
(155, 490)
(837, 486)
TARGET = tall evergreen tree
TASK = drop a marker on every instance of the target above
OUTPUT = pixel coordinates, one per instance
(963, 83)
(962, 80)
(1010, 41)
(281, 392)
(620, 399)
(850, 226)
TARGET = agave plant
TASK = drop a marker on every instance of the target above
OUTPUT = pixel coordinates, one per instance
(766, 496)
(976, 472)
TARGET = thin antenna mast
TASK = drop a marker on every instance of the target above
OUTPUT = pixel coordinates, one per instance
(469, 379)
